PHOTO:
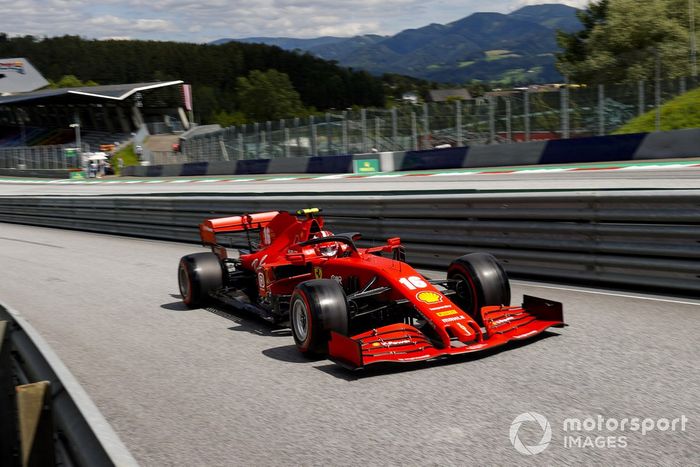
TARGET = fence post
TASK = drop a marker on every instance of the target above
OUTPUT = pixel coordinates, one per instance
(268, 140)
(458, 122)
(681, 85)
(222, 144)
(509, 129)
(296, 133)
(231, 136)
(245, 141)
(363, 126)
(640, 96)
(312, 134)
(286, 142)
(657, 89)
(377, 133)
(601, 110)
(346, 146)
(526, 113)
(426, 122)
(256, 133)
(285, 137)
(329, 135)
(492, 118)
(414, 131)
(394, 130)
(564, 95)
(241, 146)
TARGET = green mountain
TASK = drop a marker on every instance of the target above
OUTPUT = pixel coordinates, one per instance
(513, 48)
(553, 16)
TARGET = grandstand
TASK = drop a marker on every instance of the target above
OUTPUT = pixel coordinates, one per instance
(105, 114)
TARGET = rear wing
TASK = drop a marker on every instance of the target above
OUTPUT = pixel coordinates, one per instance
(209, 228)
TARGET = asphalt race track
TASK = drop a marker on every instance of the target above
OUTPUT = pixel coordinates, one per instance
(644, 177)
(206, 387)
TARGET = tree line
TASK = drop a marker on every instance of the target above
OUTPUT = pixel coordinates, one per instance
(624, 41)
(228, 80)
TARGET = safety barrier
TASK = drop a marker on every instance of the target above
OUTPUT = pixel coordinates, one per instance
(51, 420)
(639, 146)
(36, 173)
(642, 239)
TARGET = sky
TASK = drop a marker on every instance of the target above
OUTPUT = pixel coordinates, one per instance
(206, 20)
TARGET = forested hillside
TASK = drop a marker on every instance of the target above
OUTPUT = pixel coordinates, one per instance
(624, 41)
(213, 70)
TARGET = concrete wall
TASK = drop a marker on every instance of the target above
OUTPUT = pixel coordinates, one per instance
(315, 165)
(639, 146)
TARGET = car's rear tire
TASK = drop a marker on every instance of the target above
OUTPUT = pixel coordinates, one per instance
(317, 307)
(481, 281)
(197, 275)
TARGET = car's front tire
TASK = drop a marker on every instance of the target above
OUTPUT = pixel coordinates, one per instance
(197, 275)
(481, 281)
(317, 307)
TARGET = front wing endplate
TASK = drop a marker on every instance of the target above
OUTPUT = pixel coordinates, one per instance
(405, 343)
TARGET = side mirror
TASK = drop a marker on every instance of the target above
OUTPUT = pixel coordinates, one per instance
(391, 244)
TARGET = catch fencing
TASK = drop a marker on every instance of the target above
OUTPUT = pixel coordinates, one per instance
(498, 117)
(52, 157)
(639, 239)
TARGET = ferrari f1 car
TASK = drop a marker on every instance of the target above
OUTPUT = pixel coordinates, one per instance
(357, 305)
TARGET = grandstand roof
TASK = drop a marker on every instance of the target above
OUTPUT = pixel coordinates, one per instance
(18, 75)
(117, 92)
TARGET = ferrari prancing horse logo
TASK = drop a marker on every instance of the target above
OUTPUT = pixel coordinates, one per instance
(318, 273)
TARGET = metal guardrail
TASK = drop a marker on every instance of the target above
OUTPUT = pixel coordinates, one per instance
(637, 239)
(79, 433)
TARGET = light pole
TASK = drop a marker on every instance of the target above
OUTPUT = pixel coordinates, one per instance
(78, 155)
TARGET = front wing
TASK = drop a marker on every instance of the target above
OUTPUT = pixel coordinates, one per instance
(405, 343)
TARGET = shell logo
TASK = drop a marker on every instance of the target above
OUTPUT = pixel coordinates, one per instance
(429, 297)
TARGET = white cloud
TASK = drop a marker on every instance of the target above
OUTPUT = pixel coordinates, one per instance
(149, 25)
(107, 21)
(350, 29)
(187, 20)
(574, 3)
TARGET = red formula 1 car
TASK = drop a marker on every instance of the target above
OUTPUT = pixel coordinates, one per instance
(357, 305)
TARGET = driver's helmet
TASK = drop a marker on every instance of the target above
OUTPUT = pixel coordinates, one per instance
(327, 249)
